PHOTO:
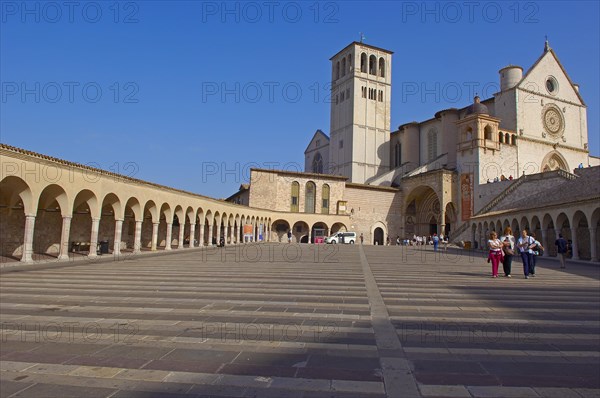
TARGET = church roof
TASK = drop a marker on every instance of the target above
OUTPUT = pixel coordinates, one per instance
(547, 50)
(361, 44)
(317, 133)
(477, 108)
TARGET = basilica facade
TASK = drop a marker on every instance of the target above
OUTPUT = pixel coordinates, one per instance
(519, 158)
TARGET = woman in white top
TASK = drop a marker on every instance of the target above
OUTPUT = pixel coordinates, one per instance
(495, 255)
(508, 242)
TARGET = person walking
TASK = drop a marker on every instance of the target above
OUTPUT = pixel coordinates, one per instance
(436, 242)
(362, 238)
(561, 248)
(508, 247)
(537, 250)
(495, 255)
(289, 235)
(524, 244)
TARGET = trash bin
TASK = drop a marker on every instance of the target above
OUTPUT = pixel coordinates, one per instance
(468, 244)
(104, 247)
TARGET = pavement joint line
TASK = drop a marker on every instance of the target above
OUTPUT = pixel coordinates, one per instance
(397, 373)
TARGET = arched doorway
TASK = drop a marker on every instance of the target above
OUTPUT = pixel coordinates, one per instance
(378, 236)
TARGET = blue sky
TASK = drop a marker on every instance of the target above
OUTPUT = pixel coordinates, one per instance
(193, 94)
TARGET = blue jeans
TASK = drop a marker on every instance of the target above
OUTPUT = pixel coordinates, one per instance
(527, 262)
(435, 246)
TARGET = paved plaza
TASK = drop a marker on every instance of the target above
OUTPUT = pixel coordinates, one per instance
(279, 320)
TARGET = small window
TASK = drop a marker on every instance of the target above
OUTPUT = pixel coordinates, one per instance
(341, 144)
(551, 85)
(325, 199)
(363, 62)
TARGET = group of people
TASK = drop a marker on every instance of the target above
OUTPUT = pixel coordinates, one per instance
(503, 249)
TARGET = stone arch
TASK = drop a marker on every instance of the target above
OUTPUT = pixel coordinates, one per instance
(372, 65)
(337, 227)
(421, 205)
(524, 224)
(319, 227)
(376, 235)
(563, 226)
(381, 67)
(581, 233)
(165, 231)
(300, 232)
(554, 160)
(595, 233)
(151, 217)
(280, 227)
(16, 202)
(514, 225)
(363, 62)
(535, 228)
(53, 204)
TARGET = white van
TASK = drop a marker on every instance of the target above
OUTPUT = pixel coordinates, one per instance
(342, 237)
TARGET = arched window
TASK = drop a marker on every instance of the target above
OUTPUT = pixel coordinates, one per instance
(432, 144)
(513, 140)
(501, 137)
(363, 62)
(343, 67)
(381, 67)
(372, 65)
(309, 197)
(397, 154)
(337, 70)
(295, 197)
(487, 133)
(468, 134)
(317, 164)
(507, 138)
(325, 201)
(349, 63)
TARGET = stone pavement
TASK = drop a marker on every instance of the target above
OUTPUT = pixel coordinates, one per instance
(278, 320)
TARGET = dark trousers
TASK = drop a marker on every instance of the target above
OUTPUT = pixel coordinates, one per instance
(507, 264)
(527, 262)
(532, 264)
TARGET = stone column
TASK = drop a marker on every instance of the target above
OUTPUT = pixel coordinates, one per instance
(593, 249)
(254, 231)
(574, 244)
(309, 235)
(218, 233)
(169, 236)
(210, 234)
(137, 238)
(225, 232)
(201, 236)
(192, 235)
(27, 256)
(181, 237)
(545, 243)
(118, 233)
(64, 238)
(94, 237)
(154, 236)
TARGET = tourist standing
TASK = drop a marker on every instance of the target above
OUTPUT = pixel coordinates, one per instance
(561, 247)
(362, 238)
(436, 242)
(495, 255)
(289, 234)
(524, 244)
(508, 247)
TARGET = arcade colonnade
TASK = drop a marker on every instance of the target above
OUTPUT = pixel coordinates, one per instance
(53, 207)
(577, 222)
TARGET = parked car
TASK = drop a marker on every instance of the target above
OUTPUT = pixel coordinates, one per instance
(342, 237)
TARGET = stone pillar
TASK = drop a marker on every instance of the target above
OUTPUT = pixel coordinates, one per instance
(201, 236)
(192, 235)
(210, 234)
(137, 238)
(225, 232)
(593, 248)
(574, 244)
(27, 256)
(309, 235)
(181, 237)
(169, 236)
(545, 243)
(154, 246)
(64, 238)
(117, 242)
(218, 233)
(94, 237)
(231, 235)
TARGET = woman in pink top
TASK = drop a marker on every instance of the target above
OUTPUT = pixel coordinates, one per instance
(495, 256)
